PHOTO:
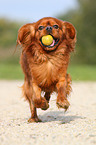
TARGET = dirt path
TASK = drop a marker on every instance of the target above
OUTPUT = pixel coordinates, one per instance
(75, 127)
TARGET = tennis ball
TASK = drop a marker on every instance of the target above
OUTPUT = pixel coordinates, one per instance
(47, 40)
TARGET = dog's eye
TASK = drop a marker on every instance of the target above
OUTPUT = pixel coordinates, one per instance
(41, 27)
(56, 26)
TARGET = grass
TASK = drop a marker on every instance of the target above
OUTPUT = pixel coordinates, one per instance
(10, 71)
(83, 72)
(78, 72)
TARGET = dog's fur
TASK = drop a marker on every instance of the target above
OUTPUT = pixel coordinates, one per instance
(45, 68)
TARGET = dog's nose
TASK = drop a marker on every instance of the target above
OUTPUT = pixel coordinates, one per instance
(49, 29)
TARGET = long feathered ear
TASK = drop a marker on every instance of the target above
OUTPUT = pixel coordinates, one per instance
(25, 34)
(69, 30)
(70, 34)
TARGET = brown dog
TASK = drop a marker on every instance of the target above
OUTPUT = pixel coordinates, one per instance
(45, 66)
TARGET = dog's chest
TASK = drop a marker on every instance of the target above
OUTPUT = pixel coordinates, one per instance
(46, 73)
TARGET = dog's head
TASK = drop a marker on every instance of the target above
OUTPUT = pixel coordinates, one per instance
(59, 30)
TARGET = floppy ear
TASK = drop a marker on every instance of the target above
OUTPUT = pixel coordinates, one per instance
(25, 34)
(69, 30)
(69, 33)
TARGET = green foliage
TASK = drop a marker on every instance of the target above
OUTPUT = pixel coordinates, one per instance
(8, 33)
(84, 20)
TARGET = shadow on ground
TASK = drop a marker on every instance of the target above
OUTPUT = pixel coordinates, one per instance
(58, 116)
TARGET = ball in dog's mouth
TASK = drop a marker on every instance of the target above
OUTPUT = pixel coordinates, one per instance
(49, 41)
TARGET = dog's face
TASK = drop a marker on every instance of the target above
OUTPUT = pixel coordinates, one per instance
(49, 26)
(59, 30)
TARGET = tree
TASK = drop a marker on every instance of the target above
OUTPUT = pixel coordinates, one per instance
(84, 20)
(8, 33)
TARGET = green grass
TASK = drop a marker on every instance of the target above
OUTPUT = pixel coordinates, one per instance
(10, 71)
(83, 72)
(78, 72)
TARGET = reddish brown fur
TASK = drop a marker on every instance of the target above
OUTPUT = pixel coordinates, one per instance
(45, 69)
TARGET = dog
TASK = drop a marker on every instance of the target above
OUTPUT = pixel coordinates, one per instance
(45, 66)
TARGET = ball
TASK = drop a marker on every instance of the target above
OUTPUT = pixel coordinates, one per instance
(47, 40)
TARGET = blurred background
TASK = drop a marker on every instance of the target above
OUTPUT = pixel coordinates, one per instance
(81, 13)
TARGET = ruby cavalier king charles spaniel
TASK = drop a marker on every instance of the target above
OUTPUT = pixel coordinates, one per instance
(45, 64)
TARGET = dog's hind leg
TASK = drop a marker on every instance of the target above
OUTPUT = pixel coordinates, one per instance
(28, 93)
(34, 117)
(47, 96)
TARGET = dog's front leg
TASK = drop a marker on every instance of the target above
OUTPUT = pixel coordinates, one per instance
(38, 101)
(62, 96)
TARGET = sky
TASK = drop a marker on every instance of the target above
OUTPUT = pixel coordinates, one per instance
(33, 10)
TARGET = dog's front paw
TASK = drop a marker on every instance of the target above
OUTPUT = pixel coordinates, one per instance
(41, 103)
(63, 104)
(44, 105)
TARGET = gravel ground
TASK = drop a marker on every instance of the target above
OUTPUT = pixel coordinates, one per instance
(77, 126)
